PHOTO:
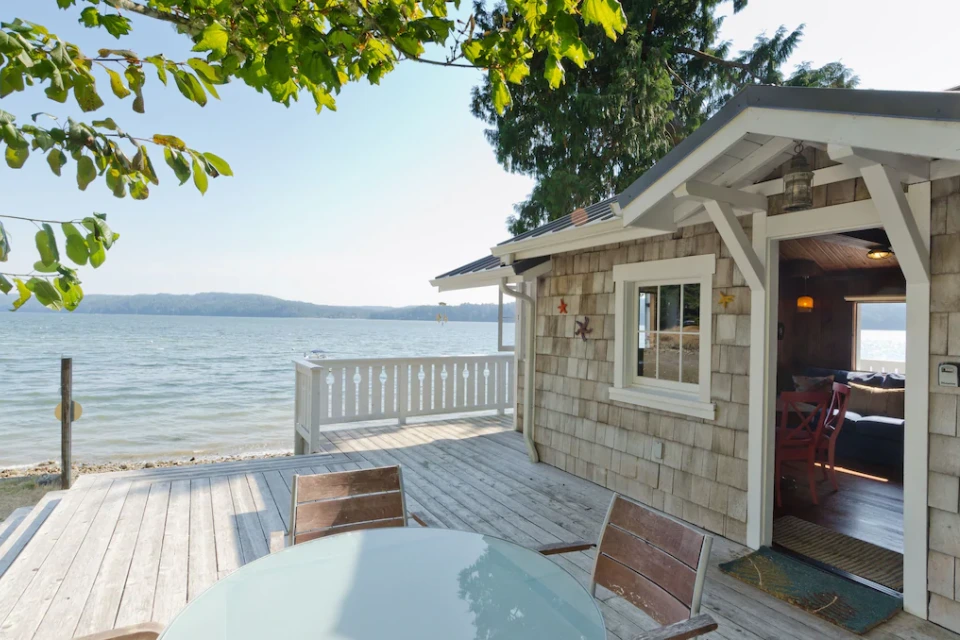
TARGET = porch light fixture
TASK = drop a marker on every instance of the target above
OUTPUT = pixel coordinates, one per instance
(798, 182)
(804, 302)
(880, 253)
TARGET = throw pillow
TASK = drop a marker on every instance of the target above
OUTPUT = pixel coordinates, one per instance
(804, 384)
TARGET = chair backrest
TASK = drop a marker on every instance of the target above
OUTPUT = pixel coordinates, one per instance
(329, 503)
(654, 561)
(810, 407)
(837, 410)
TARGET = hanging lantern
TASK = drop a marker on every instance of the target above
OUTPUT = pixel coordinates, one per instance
(880, 253)
(804, 302)
(798, 183)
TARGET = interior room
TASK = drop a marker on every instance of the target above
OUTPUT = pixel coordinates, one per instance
(840, 387)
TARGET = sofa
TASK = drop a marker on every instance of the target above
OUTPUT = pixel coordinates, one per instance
(872, 433)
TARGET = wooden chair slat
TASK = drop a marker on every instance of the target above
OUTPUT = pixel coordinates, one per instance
(681, 542)
(630, 585)
(330, 513)
(357, 526)
(659, 567)
(344, 484)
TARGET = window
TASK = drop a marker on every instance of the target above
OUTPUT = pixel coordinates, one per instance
(663, 321)
(880, 336)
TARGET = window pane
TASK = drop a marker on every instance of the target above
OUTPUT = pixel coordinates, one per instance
(647, 355)
(882, 336)
(670, 307)
(669, 352)
(691, 307)
(646, 309)
(691, 358)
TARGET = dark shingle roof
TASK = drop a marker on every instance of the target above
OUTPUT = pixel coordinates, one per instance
(490, 263)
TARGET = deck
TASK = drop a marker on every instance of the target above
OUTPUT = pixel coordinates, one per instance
(132, 546)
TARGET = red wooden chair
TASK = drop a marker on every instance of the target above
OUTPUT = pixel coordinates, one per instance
(800, 443)
(826, 447)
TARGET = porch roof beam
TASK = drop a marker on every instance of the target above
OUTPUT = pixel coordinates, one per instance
(722, 215)
(704, 192)
(911, 166)
(898, 220)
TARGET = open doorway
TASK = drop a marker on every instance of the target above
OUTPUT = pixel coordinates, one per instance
(841, 343)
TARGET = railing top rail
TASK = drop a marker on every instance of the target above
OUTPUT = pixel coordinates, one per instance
(316, 364)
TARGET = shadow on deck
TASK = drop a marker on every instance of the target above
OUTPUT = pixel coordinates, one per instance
(133, 546)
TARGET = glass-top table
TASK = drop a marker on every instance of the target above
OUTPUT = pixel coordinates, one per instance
(403, 583)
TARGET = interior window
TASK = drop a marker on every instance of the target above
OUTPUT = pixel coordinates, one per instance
(668, 333)
(881, 336)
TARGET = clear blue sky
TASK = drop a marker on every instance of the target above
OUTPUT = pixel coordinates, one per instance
(363, 206)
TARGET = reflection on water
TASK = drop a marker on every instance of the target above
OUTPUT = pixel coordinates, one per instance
(166, 386)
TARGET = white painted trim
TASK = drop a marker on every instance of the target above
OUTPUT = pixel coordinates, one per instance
(834, 219)
(704, 192)
(916, 434)
(691, 270)
(674, 402)
(899, 223)
(666, 271)
(737, 242)
(759, 439)
(918, 168)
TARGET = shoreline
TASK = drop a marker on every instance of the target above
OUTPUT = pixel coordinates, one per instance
(51, 468)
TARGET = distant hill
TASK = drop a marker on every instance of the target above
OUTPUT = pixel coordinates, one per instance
(258, 306)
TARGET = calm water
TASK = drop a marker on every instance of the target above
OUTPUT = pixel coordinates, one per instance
(883, 345)
(157, 387)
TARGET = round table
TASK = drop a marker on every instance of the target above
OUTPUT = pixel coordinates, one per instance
(402, 583)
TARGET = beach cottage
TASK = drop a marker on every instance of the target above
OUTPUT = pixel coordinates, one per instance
(799, 238)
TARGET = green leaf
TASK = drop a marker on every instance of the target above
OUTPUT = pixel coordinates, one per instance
(85, 92)
(199, 95)
(160, 64)
(606, 13)
(97, 253)
(23, 292)
(4, 244)
(108, 123)
(101, 231)
(47, 294)
(213, 38)
(553, 72)
(46, 268)
(86, 172)
(116, 84)
(501, 94)
(47, 245)
(199, 177)
(70, 229)
(71, 294)
(115, 25)
(219, 164)
(16, 157)
(77, 249)
(180, 77)
(5, 285)
(178, 163)
(139, 190)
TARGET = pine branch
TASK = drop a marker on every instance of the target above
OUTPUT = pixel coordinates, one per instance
(732, 64)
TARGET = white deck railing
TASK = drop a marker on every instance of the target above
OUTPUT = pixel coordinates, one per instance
(341, 391)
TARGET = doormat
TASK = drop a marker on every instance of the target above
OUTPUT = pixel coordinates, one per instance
(844, 603)
(856, 557)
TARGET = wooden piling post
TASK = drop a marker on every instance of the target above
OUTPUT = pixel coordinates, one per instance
(66, 422)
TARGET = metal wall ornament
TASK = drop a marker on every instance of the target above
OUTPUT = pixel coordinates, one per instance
(726, 299)
(798, 182)
(562, 308)
(583, 329)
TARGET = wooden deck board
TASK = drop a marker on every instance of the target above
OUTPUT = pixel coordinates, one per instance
(132, 546)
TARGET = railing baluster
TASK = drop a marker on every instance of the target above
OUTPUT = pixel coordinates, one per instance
(364, 396)
(336, 394)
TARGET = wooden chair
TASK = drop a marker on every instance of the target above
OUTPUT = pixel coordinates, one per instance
(827, 446)
(145, 631)
(655, 562)
(329, 503)
(800, 442)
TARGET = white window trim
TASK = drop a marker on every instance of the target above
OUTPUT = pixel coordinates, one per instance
(693, 270)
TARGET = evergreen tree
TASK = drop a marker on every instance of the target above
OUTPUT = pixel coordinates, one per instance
(586, 133)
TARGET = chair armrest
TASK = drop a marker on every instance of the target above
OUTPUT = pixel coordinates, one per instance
(278, 541)
(144, 631)
(684, 630)
(418, 520)
(564, 547)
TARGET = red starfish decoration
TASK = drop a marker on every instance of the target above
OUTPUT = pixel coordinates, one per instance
(563, 306)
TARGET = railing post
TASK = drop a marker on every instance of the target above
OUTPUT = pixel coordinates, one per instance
(66, 422)
(403, 392)
(500, 387)
(317, 405)
(299, 403)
